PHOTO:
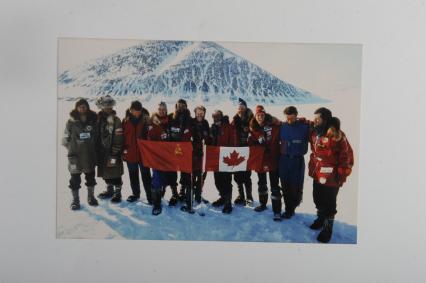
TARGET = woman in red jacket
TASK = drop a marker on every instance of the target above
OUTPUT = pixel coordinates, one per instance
(135, 125)
(264, 131)
(330, 164)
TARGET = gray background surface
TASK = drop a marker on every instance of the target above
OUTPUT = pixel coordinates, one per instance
(391, 211)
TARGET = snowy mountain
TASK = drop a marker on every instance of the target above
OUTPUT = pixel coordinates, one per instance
(202, 71)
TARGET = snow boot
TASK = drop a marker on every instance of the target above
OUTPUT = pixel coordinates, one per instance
(91, 200)
(132, 198)
(276, 203)
(108, 193)
(116, 198)
(205, 201)
(263, 199)
(327, 230)
(75, 204)
(197, 198)
(249, 196)
(187, 208)
(156, 202)
(227, 206)
(317, 224)
(188, 201)
(277, 217)
(175, 197)
(240, 200)
(288, 214)
(219, 202)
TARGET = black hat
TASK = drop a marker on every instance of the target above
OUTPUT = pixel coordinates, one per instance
(242, 102)
(136, 105)
(82, 101)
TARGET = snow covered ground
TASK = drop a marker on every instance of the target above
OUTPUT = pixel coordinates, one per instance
(134, 220)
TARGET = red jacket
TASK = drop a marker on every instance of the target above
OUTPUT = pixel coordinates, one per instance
(223, 135)
(269, 137)
(331, 160)
(157, 130)
(131, 134)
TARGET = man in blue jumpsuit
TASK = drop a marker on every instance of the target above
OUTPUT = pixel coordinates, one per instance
(294, 139)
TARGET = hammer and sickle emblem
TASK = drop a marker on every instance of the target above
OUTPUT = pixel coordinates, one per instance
(178, 150)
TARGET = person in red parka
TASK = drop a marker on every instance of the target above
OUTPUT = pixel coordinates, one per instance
(135, 126)
(265, 131)
(223, 134)
(330, 164)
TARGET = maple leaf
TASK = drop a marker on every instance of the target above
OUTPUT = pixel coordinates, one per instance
(233, 159)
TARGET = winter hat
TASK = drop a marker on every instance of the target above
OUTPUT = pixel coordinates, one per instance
(82, 101)
(260, 109)
(105, 102)
(136, 105)
(242, 102)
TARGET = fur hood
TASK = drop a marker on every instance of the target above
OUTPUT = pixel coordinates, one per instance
(237, 119)
(103, 113)
(155, 119)
(91, 116)
(175, 114)
(144, 117)
(269, 121)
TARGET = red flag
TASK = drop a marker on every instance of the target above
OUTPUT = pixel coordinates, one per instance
(166, 156)
(233, 159)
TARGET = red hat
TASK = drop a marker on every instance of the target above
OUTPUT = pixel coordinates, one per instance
(260, 109)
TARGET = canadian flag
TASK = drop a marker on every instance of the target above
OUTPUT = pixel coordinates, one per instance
(233, 159)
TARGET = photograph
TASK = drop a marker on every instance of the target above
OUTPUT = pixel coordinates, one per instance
(208, 141)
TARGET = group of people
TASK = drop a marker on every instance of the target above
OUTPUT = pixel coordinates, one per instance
(103, 141)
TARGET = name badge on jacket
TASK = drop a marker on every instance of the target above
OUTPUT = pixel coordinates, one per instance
(84, 136)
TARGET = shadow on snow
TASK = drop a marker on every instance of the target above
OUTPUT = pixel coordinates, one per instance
(135, 221)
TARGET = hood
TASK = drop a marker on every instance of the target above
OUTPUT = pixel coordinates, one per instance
(91, 115)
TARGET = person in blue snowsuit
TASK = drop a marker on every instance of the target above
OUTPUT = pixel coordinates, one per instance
(294, 140)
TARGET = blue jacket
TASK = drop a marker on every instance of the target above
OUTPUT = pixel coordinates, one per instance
(294, 138)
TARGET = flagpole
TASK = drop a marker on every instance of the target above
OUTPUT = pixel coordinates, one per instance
(202, 177)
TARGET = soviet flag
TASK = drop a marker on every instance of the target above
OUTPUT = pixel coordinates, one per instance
(166, 156)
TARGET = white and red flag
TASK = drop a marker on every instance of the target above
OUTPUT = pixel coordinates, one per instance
(233, 159)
